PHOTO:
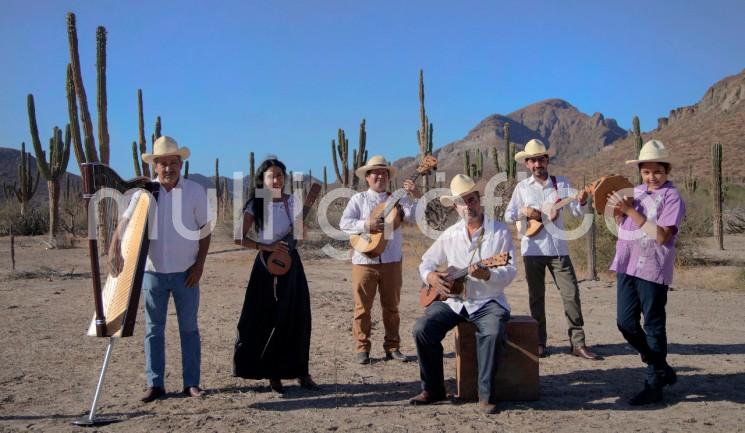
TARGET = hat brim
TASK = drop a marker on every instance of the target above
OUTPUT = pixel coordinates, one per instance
(523, 155)
(449, 200)
(362, 171)
(182, 152)
(664, 159)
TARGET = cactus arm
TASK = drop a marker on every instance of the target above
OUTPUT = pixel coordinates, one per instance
(101, 102)
(41, 161)
(72, 111)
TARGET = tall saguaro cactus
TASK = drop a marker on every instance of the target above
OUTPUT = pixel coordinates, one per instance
(218, 185)
(186, 169)
(343, 150)
(507, 151)
(59, 155)
(359, 155)
(717, 192)
(26, 188)
(424, 133)
(72, 112)
(77, 77)
(101, 102)
(636, 131)
(143, 143)
(325, 181)
(467, 163)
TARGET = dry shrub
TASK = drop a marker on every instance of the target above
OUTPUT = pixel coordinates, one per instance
(34, 222)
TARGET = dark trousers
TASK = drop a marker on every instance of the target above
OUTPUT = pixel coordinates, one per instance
(438, 319)
(637, 297)
(565, 279)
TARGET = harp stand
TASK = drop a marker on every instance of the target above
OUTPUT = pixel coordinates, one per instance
(90, 420)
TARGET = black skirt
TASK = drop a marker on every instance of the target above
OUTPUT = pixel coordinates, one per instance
(273, 340)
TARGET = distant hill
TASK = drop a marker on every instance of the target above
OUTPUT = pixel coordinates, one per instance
(593, 145)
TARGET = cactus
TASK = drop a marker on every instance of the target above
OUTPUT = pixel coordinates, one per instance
(26, 188)
(359, 156)
(325, 181)
(251, 173)
(59, 155)
(480, 165)
(218, 184)
(592, 271)
(343, 149)
(636, 131)
(495, 158)
(136, 159)
(101, 103)
(424, 133)
(513, 163)
(691, 182)
(143, 143)
(72, 111)
(507, 150)
(717, 192)
(186, 170)
(77, 76)
(467, 163)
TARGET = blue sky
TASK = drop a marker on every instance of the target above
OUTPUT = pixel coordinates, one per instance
(271, 76)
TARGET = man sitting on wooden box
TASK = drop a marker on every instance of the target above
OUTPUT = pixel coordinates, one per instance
(467, 245)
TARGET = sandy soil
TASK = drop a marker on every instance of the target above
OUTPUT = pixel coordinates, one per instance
(49, 368)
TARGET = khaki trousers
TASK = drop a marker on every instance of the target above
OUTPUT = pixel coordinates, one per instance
(366, 279)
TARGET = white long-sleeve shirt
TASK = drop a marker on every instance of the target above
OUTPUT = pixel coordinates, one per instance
(353, 219)
(456, 248)
(534, 194)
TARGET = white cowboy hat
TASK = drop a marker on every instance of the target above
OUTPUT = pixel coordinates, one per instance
(459, 186)
(376, 161)
(652, 151)
(165, 146)
(533, 148)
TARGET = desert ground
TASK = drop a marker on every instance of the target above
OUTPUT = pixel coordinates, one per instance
(49, 368)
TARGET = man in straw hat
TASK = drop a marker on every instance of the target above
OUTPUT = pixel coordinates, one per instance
(645, 256)
(474, 238)
(175, 262)
(544, 250)
(382, 273)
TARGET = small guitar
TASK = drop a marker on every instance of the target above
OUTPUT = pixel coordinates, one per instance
(279, 263)
(599, 190)
(373, 244)
(428, 294)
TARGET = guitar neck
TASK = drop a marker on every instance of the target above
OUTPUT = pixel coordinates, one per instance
(398, 195)
(460, 273)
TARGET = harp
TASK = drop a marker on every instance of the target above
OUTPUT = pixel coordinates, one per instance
(115, 302)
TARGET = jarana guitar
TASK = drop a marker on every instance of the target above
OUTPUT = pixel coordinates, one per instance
(428, 294)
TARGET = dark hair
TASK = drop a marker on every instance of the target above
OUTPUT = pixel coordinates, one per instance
(257, 203)
(666, 165)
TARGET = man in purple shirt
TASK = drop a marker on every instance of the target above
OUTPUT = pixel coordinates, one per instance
(645, 254)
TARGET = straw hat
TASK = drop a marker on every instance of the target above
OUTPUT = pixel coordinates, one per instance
(652, 151)
(376, 161)
(459, 186)
(533, 148)
(165, 146)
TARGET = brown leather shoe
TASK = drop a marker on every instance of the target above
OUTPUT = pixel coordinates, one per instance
(487, 408)
(584, 352)
(193, 391)
(425, 397)
(153, 393)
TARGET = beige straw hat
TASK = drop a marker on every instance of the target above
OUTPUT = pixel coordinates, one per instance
(165, 146)
(652, 151)
(532, 149)
(459, 186)
(376, 161)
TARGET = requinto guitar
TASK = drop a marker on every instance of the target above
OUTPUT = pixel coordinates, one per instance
(279, 263)
(428, 294)
(373, 244)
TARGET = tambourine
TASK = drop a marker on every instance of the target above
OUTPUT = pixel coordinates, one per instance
(601, 188)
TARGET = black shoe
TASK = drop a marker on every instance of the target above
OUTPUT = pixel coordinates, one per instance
(668, 376)
(153, 393)
(276, 385)
(363, 358)
(397, 355)
(308, 383)
(649, 395)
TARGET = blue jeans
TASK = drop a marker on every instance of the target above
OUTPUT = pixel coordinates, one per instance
(438, 319)
(637, 297)
(158, 287)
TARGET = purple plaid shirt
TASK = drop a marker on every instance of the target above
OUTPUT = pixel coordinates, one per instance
(638, 255)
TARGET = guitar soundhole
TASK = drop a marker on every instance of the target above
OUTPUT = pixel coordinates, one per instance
(279, 263)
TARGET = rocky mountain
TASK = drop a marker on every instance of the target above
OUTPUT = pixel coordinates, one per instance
(590, 146)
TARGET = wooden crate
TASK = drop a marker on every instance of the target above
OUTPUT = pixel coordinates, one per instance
(517, 369)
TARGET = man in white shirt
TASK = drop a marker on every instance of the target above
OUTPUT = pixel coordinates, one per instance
(175, 262)
(474, 238)
(543, 250)
(382, 273)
